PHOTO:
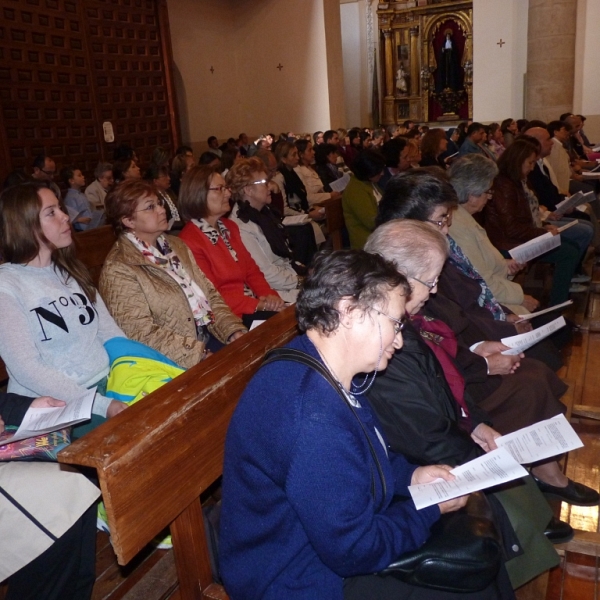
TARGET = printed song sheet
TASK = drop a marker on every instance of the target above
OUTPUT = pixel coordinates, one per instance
(296, 220)
(491, 469)
(520, 343)
(339, 185)
(38, 421)
(574, 201)
(535, 247)
(540, 440)
(543, 312)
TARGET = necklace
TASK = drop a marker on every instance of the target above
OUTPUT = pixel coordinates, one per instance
(365, 386)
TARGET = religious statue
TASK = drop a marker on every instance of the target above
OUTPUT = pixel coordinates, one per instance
(447, 76)
(401, 80)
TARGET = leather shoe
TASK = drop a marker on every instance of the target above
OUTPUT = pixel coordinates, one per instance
(572, 493)
(558, 532)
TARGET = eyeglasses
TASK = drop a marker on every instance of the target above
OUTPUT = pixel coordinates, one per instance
(443, 221)
(489, 193)
(398, 323)
(261, 182)
(428, 284)
(151, 207)
(219, 188)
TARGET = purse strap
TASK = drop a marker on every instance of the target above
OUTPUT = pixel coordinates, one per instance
(298, 356)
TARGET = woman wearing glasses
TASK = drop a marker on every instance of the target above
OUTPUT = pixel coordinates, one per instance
(152, 286)
(472, 177)
(261, 229)
(217, 246)
(308, 480)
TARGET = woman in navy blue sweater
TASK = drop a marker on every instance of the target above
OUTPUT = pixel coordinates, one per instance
(307, 512)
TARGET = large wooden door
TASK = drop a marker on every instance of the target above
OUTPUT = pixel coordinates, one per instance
(67, 66)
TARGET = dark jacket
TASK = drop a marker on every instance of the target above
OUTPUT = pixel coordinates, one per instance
(417, 409)
(13, 408)
(507, 217)
(544, 189)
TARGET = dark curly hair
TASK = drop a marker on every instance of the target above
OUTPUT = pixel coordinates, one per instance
(367, 278)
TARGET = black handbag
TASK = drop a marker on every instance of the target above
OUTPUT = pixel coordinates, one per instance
(463, 553)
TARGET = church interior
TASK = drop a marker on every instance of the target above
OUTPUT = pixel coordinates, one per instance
(170, 88)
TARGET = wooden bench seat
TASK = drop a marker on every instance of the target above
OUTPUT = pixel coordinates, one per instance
(155, 459)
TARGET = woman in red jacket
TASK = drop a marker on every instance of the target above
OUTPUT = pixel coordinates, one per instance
(218, 249)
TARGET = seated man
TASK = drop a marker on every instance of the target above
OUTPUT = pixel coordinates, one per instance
(44, 169)
(76, 202)
(97, 190)
(475, 136)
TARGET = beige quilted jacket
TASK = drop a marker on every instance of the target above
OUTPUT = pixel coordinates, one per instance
(151, 308)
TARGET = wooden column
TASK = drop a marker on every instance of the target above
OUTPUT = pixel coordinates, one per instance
(388, 102)
(414, 61)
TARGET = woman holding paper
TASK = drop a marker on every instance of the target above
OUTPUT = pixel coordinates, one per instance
(472, 177)
(512, 216)
(308, 481)
(261, 229)
(35, 566)
(54, 324)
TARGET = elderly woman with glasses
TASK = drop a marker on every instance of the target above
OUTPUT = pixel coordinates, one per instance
(217, 246)
(261, 229)
(472, 177)
(152, 286)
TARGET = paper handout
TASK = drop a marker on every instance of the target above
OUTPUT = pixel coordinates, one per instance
(543, 312)
(567, 226)
(491, 469)
(541, 440)
(339, 185)
(296, 220)
(38, 421)
(520, 343)
(535, 247)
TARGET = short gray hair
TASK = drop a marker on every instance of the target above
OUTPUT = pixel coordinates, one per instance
(102, 168)
(412, 246)
(472, 175)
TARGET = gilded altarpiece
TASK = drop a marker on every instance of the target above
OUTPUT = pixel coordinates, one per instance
(426, 60)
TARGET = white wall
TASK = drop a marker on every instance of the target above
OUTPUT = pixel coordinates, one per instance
(245, 40)
(586, 93)
(498, 72)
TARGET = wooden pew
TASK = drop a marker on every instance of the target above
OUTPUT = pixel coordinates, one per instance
(92, 248)
(154, 459)
(334, 217)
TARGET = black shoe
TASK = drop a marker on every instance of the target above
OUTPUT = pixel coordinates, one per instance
(558, 532)
(572, 493)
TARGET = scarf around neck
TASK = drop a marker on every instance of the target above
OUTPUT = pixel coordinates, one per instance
(486, 299)
(167, 260)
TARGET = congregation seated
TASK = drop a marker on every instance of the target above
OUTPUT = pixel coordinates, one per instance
(262, 231)
(472, 143)
(152, 286)
(299, 455)
(433, 145)
(103, 182)
(76, 203)
(362, 195)
(315, 193)
(395, 153)
(44, 170)
(210, 159)
(472, 177)
(495, 140)
(512, 217)
(124, 169)
(160, 177)
(326, 156)
(217, 247)
(182, 162)
(54, 322)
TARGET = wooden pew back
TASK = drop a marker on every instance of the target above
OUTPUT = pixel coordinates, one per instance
(334, 217)
(92, 248)
(155, 458)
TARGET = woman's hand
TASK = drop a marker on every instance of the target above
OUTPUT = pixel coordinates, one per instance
(431, 473)
(317, 214)
(114, 408)
(552, 229)
(513, 266)
(503, 364)
(236, 335)
(530, 303)
(47, 402)
(485, 436)
(485, 349)
(523, 327)
(270, 303)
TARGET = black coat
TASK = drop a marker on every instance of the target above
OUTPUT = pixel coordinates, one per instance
(13, 408)
(417, 408)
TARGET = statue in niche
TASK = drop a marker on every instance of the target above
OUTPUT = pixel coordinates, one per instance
(401, 80)
(447, 76)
